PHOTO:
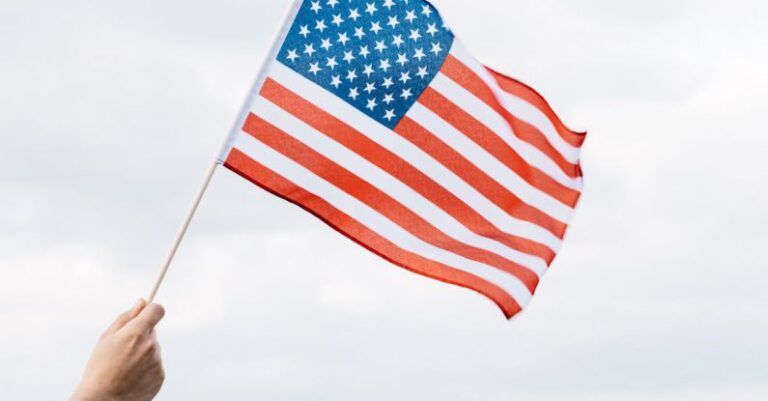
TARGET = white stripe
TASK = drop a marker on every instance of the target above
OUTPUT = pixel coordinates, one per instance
(373, 220)
(518, 107)
(388, 184)
(489, 164)
(413, 155)
(495, 122)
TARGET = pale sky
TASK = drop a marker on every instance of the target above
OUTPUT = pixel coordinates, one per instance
(110, 112)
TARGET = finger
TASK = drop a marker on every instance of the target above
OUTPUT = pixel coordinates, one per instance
(126, 317)
(148, 318)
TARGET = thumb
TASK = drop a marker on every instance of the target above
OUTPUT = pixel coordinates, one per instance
(126, 317)
(149, 317)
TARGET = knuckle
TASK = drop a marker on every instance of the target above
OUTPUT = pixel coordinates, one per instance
(134, 335)
(151, 349)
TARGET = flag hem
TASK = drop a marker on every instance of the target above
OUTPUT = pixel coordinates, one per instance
(261, 77)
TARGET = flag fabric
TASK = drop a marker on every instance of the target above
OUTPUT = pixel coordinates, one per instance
(370, 115)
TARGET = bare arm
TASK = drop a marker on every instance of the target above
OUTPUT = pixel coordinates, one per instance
(125, 365)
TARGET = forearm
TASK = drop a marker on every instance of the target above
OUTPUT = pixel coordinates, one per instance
(81, 394)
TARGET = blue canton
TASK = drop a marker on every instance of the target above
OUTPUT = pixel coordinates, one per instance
(377, 55)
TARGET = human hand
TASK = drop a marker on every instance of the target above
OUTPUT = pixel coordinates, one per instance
(125, 365)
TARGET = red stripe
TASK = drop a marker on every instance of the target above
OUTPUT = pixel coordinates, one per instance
(372, 196)
(493, 144)
(533, 97)
(464, 76)
(477, 178)
(400, 169)
(354, 230)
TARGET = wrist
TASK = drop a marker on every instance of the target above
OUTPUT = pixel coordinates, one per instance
(84, 393)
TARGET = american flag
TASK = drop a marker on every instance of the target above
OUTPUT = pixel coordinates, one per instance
(370, 115)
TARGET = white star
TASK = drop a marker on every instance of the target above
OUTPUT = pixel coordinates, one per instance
(316, 6)
(354, 14)
(436, 48)
(369, 87)
(337, 20)
(371, 104)
(384, 64)
(359, 33)
(333, 3)
(292, 55)
(375, 27)
(393, 22)
(364, 51)
(352, 75)
(380, 46)
(336, 81)
(390, 115)
(422, 72)
(309, 50)
(314, 68)
(388, 82)
(432, 29)
(320, 25)
(410, 16)
(371, 8)
(368, 70)
(415, 35)
(405, 77)
(397, 40)
(406, 94)
(326, 44)
(389, 4)
(401, 59)
(332, 62)
(304, 31)
(343, 38)
(348, 56)
(426, 10)
(419, 54)
(388, 98)
(353, 93)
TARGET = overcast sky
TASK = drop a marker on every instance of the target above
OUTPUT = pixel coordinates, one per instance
(110, 112)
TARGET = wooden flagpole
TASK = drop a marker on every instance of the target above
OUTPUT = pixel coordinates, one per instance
(182, 230)
(290, 13)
